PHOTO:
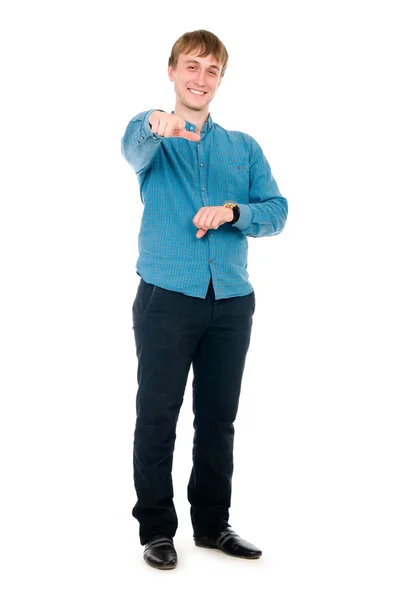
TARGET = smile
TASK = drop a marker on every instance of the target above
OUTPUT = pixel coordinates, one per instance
(197, 92)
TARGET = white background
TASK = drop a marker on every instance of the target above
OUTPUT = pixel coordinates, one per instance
(316, 481)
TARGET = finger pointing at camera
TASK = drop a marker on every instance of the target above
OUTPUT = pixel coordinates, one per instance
(167, 125)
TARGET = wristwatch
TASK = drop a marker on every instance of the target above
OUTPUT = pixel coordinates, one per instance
(236, 211)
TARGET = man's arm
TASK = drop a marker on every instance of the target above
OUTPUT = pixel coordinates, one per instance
(144, 133)
(266, 213)
(139, 144)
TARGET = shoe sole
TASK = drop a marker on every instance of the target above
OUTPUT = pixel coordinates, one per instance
(167, 567)
(205, 545)
(210, 547)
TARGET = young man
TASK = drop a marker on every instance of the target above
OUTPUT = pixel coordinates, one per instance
(204, 190)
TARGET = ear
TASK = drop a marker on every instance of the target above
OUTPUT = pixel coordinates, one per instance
(170, 73)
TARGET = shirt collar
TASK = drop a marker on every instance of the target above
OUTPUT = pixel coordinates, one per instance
(208, 124)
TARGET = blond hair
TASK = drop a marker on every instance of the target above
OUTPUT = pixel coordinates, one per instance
(202, 40)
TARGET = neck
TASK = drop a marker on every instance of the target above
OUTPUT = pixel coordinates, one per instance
(197, 117)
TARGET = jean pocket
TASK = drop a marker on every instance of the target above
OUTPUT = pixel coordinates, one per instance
(253, 303)
(145, 295)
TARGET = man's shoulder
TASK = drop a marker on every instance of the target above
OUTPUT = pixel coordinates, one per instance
(232, 133)
(237, 136)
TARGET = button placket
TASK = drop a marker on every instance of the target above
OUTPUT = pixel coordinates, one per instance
(202, 173)
(202, 180)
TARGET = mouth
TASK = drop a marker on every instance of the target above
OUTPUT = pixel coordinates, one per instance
(196, 92)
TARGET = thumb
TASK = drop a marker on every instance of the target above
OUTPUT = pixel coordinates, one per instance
(200, 233)
(188, 135)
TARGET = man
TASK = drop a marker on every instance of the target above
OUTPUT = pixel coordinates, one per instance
(204, 190)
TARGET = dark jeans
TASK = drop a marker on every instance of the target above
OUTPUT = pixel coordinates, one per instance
(173, 331)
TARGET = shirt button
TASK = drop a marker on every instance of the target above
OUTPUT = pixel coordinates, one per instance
(210, 260)
(203, 189)
(210, 234)
(201, 165)
(199, 142)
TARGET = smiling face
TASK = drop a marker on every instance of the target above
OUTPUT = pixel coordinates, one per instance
(196, 80)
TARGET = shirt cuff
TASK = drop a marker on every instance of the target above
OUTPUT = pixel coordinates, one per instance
(190, 126)
(146, 129)
(245, 216)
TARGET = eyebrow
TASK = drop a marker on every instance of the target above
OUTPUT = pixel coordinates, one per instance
(198, 63)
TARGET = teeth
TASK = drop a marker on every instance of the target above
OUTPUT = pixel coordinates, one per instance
(196, 92)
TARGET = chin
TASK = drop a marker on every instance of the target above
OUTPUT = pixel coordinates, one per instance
(194, 107)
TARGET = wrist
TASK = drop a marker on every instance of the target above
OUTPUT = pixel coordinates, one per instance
(234, 211)
(230, 215)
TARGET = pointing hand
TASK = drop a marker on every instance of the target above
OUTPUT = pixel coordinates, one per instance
(168, 125)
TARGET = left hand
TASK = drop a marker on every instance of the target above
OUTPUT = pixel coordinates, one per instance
(211, 217)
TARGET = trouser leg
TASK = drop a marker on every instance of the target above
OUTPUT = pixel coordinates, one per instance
(165, 340)
(218, 366)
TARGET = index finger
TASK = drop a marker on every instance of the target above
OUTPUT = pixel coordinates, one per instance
(189, 135)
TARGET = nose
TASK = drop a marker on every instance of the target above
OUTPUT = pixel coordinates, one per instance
(200, 78)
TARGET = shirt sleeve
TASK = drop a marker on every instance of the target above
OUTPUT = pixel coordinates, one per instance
(267, 211)
(139, 144)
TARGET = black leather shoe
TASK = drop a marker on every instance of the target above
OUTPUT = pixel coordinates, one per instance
(160, 552)
(229, 542)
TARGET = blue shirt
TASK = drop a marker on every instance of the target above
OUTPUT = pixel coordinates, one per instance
(177, 177)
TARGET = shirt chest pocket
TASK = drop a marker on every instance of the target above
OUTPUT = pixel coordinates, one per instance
(238, 183)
